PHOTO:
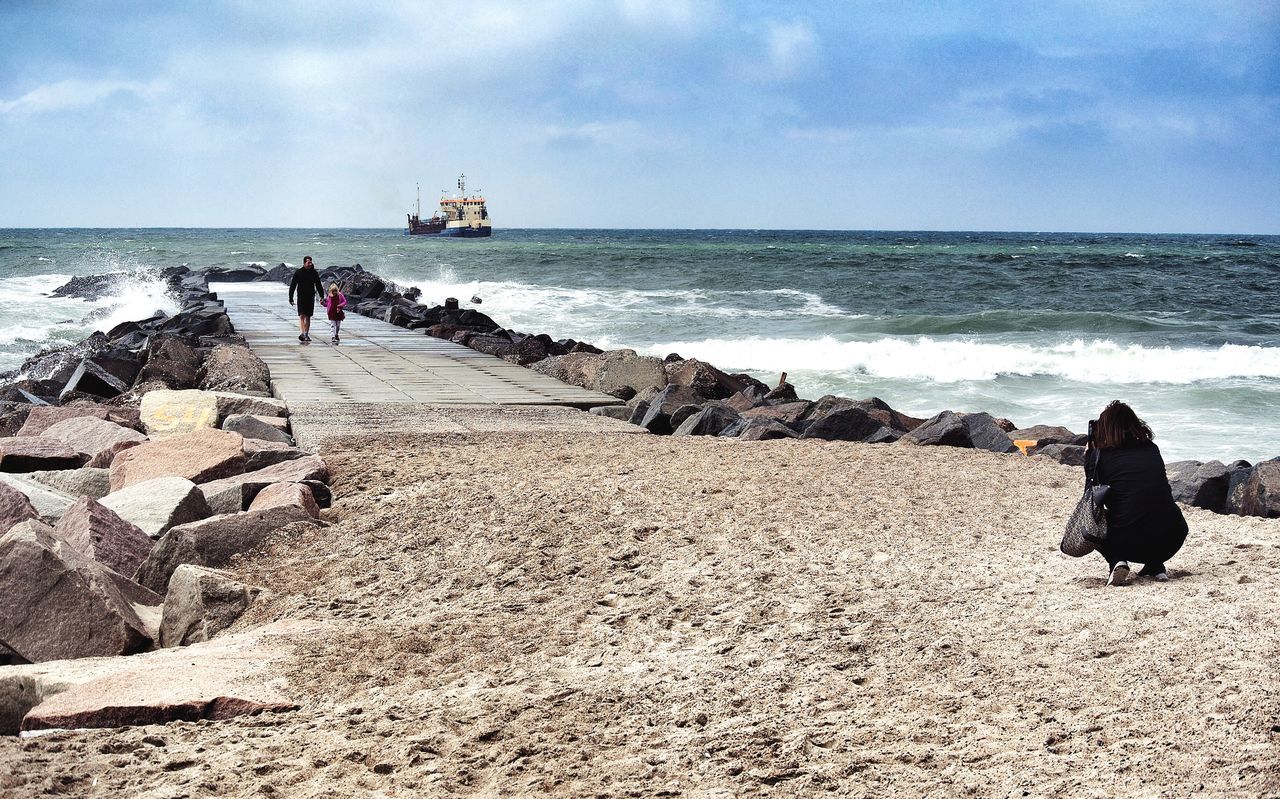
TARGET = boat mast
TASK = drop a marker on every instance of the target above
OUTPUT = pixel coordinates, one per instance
(419, 188)
(462, 186)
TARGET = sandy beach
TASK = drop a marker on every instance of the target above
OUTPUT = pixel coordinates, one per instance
(623, 615)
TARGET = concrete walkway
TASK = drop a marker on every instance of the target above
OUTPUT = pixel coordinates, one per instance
(380, 363)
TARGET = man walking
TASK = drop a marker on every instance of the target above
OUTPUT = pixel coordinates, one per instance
(306, 281)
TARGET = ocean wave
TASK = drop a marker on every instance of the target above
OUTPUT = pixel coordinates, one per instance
(949, 361)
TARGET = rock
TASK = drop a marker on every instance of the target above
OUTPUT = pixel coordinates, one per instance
(201, 603)
(1044, 434)
(157, 505)
(230, 404)
(261, 454)
(1238, 474)
(15, 507)
(33, 453)
(1068, 454)
(846, 424)
(785, 392)
(256, 428)
(231, 675)
(201, 456)
(106, 457)
(243, 488)
(287, 495)
(704, 378)
(91, 378)
(746, 399)
(657, 418)
(682, 413)
(233, 367)
(764, 429)
(874, 407)
(1199, 485)
(59, 603)
(50, 502)
(788, 413)
(985, 433)
(234, 274)
(944, 429)
(100, 533)
(13, 415)
(623, 374)
(710, 420)
(638, 412)
(620, 412)
(93, 436)
(172, 413)
(1260, 495)
(213, 542)
(84, 482)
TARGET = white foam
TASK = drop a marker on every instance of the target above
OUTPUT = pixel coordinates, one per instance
(954, 360)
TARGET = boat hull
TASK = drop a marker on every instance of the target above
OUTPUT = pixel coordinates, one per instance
(467, 232)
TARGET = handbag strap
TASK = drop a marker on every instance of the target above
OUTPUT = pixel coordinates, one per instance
(1090, 475)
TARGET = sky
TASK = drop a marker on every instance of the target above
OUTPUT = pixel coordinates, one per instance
(1047, 116)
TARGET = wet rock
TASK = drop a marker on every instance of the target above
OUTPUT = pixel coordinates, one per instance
(213, 542)
(155, 506)
(985, 433)
(201, 603)
(710, 420)
(172, 413)
(945, 429)
(50, 502)
(1261, 493)
(230, 367)
(84, 482)
(90, 378)
(100, 533)
(15, 507)
(657, 418)
(33, 453)
(256, 428)
(1201, 485)
(1067, 454)
(13, 415)
(287, 495)
(93, 436)
(234, 274)
(201, 456)
(59, 603)
(703, 378)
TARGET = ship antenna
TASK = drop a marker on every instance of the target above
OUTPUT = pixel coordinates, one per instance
(419, 187)
(462, 185)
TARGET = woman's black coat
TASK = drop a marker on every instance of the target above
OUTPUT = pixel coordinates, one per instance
(1144, 524)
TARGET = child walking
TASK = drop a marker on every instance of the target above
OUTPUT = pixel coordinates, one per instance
(335, 301)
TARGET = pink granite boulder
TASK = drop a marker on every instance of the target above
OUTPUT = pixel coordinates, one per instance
(34, 453)
(100, 533)
(92, 436)
(15, 507)
(199, 456)
(294, 495)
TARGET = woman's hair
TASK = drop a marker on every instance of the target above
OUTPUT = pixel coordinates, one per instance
(306, 259)
(1118, 425)
(333, 287)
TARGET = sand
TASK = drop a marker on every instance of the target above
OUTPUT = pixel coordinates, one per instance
(620, 615)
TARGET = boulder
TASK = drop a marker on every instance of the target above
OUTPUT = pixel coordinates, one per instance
(1238, 474)
(15, 507)
(33, 453)
(623, 374)
(746, 399)
(710, 420)
(234, 274)
(172, 374)
(238, 491)
(986, 433)
(638, 412)
(845, 424)
(763, 429)
(100, 533)
(93, 436)
(201, 603)
(213, 542)
(104, 458)
(233, 367)
(1261, 493)
(59, 603)
(682, 413)
(657, 418)
(13, 415)
(50, 502)
(261, 454)
(1066, 454)
(84, 482)
(230, 404)
(93, 378)
(874, 407)
(620, 412)
(782, 393)
(155, 506)
(703, 378)
(201, 456)
(1044, 434)
(788, 413)
(1201, 485)
(945, 429)
(284, 495)
(173, 413)
(254, 427)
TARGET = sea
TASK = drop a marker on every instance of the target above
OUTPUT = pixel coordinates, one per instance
(1034, 327)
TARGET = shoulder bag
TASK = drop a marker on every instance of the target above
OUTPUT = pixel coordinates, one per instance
(1087, 526)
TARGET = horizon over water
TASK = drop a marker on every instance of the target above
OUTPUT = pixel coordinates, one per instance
(1036, 327)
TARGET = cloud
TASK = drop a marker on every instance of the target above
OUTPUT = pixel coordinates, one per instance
(72, 94)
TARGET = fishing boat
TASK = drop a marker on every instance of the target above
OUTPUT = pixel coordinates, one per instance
(459, 217)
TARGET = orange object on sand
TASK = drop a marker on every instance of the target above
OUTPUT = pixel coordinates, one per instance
(1025, 444)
